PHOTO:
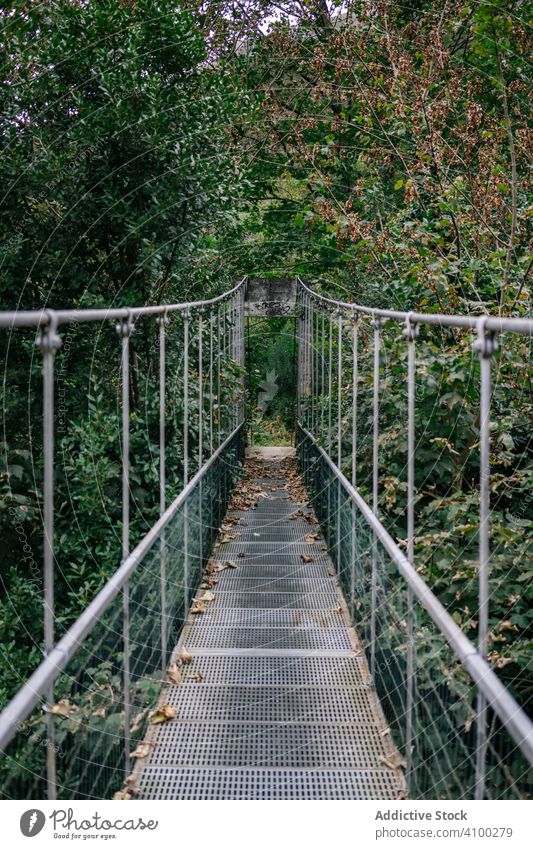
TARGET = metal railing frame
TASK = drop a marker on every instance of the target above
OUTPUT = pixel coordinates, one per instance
(311, 376)
(490, 690)
(47, 322)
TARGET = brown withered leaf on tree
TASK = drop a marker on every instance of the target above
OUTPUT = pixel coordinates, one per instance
(138, 721)
(62, 708)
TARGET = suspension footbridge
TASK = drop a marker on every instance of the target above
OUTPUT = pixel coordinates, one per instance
(268, 638)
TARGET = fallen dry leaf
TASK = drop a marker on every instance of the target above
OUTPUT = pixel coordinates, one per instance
(392, 764)
(199, 607)
(306, 558)
(122, 795)
(207, 596)
(219, 566)
(131, 787)
(174, 673)
(185, 656)
(142, 750)
(207, 583)
(198, 678)
(162, 714)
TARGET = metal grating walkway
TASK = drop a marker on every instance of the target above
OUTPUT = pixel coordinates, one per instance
(276, 702)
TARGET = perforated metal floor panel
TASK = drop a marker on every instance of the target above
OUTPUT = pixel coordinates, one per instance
(271, 745)
(161, 782)
(276, 670)
(325, 639)
(251, 703)
(255, 548)
(242, 617)
(305, 601)
(254, 570)
(276, 702)
(300, 583)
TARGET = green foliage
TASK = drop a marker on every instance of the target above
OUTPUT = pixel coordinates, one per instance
(383, 155)
(113, 159)
(271, 366)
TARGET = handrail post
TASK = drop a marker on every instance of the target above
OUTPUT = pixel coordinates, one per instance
(355, 376)
(125, 329)
(411, 332)
(312, 365)
(339, 438)
(323, 377)
(219, 366)
(162, 321)
(48, 343)
(242, 356)
(201, 428)
(211, 335)
(329, 441)
(485, 345)
(298, 319)
(375, 492)
(186, 319)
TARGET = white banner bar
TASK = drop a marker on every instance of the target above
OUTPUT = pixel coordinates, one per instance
(242, 825)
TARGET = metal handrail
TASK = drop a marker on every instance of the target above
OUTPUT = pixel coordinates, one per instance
(226, 322)
(492, 323)
(22, 704)
(322, 325)
(42, 318)
(499, 698)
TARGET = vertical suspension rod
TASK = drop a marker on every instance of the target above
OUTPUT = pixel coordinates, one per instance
(48, 343)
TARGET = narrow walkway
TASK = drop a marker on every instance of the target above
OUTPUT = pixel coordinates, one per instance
(275, 702)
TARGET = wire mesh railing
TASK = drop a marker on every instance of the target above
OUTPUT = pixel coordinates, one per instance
(459, 728)
(71, 728)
